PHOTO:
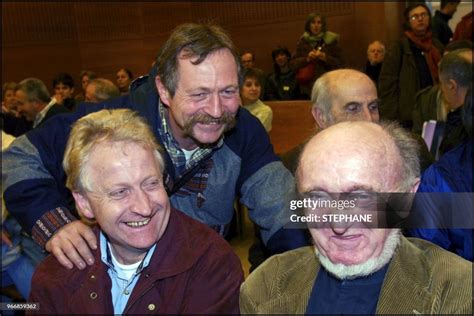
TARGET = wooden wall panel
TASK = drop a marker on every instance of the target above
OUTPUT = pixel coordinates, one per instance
(45, 38)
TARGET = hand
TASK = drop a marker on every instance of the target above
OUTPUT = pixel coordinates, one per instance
(72, 244)
(312, 55)
(59, 99)
(6, 239)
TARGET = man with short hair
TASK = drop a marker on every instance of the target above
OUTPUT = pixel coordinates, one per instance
(148, 259)
(455, 73)
(339, 95)
(215, 151)
(356, 267)
(100, 89)
(440, 23)
(375, 57)
(33, 102)
(63, 86)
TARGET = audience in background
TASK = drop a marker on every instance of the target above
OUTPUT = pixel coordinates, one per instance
(250, 95)
(100, 89)
(281, 84)
(375, 57)
(317, 52)
(11, 121)
(34, 102)
(411, 64)
(429, 102)
(8, 98)
(247, 60)
(85, 76)
(439, 23)
(63, 86)
(464, 27)
(452, 173)
(124, 79)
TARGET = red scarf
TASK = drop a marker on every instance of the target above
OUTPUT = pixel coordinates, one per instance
(432, 54)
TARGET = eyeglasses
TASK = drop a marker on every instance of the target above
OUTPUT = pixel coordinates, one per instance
(418, 16)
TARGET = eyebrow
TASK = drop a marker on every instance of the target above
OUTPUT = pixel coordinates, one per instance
(353, 188)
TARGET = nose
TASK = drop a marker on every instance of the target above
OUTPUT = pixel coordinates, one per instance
(142, 203)
(214, 107)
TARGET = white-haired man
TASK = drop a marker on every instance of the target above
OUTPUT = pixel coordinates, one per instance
(354, 266)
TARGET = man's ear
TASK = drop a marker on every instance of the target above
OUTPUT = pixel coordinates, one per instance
(162, 91)
(415, 186)
(319, 117)
(83, 205)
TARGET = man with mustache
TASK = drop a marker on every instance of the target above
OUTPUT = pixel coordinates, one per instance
(215, 151)
(359, 267)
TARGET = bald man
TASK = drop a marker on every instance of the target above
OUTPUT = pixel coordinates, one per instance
(355, 267)
(338, 96)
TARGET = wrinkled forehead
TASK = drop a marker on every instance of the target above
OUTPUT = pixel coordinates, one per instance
(346, 156)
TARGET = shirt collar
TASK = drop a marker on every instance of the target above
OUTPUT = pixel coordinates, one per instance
(40, 116)
(106, 256)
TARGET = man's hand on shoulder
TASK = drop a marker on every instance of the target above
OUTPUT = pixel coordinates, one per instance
(72, 245)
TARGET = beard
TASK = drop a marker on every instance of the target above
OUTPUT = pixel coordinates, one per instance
(342, 271)
(227, 119)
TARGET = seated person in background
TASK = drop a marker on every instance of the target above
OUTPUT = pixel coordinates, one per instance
(63, 86)
(86, 76)
(247, 60)
(250, 95)
(455, 72)
(34, 103)
(429, 102)
(317, 52)
(282, 84)
(101, 89)
(452, 173)
(339, 95)
(375, 57)
(148, 258)
(354, 267)
(12, 122)
(124, 79)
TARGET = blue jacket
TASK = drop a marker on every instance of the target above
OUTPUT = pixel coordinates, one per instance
(452, 173)
(244, 166)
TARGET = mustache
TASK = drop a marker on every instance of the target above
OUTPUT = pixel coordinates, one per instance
(205, 118)
(227, 119)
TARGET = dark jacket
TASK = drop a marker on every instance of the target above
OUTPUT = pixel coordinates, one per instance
(399, 81)
(333, 59)
(54, 110)
(440, 27)
(192, 270)
(426, 107)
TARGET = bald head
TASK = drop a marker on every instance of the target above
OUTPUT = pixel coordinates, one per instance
(344, 95)
(351, 155)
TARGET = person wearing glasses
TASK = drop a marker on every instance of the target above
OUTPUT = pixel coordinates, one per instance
(411, 64)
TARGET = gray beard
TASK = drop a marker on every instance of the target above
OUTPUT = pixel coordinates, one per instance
(342, 271)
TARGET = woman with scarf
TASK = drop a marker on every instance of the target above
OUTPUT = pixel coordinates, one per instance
(317, 52)
(410, 65)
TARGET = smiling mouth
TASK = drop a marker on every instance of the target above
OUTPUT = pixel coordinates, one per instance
(138, 224)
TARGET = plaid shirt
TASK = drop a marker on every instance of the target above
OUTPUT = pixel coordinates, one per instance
(176, 153)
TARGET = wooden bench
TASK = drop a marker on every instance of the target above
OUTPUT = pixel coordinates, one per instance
(292, 124)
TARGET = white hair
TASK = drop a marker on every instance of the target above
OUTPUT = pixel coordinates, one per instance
(342, 271)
